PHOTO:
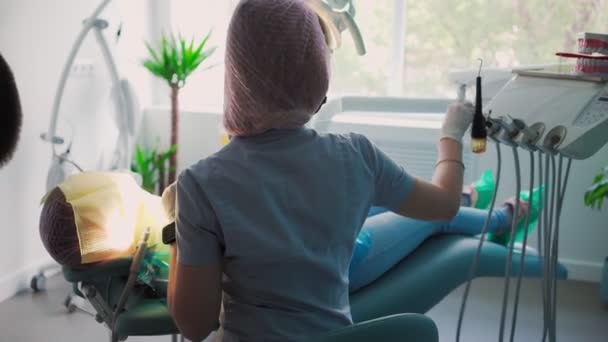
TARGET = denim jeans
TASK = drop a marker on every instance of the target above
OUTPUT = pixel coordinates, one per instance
(386, 238)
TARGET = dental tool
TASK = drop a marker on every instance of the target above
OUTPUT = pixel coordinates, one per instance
(478, 129)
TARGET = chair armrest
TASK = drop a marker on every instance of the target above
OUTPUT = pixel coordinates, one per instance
(101, 270)
(401, 327)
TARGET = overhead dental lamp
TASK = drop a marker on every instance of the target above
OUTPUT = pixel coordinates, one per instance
(337, 16)
(126, 109)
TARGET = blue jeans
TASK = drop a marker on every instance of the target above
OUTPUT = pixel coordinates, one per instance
(386, 238)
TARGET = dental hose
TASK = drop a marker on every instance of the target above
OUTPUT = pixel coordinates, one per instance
(541, 233)
(546, 252)
(508, 264)
(523, 249)
(473, 268)
(549, 251)
(561, 191)
(554, 249)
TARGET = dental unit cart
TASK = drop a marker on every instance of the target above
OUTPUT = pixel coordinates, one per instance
(555, 115)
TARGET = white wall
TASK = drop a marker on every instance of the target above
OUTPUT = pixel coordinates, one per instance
(199, 133)
(35, 38)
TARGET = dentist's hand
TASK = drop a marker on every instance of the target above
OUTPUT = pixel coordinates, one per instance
(457, 120)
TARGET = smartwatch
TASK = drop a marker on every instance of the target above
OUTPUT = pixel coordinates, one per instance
(169, 234)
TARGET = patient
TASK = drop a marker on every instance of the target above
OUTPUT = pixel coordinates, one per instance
(268, 226)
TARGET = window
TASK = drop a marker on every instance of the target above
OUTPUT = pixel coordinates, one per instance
(443, 35)
(195, 18)
(413, 44)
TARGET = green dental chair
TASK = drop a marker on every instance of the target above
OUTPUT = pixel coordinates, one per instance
(413, 286)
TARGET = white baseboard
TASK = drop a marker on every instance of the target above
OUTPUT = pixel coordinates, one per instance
(19, 280)
(583, 270)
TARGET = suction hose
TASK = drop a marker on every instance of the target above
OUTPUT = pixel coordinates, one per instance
(523, 249)
(484, 231)
(508, 264)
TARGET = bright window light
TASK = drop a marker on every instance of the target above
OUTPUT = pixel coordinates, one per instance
(194, 18)
(440, 36)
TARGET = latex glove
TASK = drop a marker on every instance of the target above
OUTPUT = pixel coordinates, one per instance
(457, 120)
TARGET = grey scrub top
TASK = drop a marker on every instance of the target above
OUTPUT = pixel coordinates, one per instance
(281, 212)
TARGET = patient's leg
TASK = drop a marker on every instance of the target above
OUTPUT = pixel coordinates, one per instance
(387, 238)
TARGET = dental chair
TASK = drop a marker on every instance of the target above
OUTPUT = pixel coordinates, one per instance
(413, 286)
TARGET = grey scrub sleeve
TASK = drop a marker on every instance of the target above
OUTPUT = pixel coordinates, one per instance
(392, 184)
(199, 239)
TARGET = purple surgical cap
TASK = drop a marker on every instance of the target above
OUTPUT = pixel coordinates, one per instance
(277, 66)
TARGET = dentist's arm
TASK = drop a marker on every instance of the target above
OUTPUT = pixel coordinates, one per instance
(194, 289)
(194, 297)
(440, 199)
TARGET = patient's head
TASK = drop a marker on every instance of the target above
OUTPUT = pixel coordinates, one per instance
(10, 113)
(277, 66)
(58, 230)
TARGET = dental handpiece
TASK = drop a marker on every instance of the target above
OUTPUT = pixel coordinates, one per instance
(479, 135)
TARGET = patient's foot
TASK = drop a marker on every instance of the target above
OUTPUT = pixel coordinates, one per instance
(479, 193)
(507, 210)
(527, 204)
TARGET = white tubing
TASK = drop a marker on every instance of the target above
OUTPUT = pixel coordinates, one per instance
(473, 268)
(547, 252)
(508, 263)
(541, 234)
(523, 251)
(550, 331)
(561, 191)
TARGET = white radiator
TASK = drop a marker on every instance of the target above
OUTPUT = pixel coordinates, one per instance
(406, 130)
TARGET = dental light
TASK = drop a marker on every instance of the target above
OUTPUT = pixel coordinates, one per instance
(337, 16)
(122, 94)
(551, 113)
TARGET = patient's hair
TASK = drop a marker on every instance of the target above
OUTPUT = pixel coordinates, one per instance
(277, 66)
(58, 230)
(10, 113)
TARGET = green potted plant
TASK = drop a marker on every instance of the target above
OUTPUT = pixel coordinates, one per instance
(594, 198)
(151, 166)
(174, 60)
(598, 191)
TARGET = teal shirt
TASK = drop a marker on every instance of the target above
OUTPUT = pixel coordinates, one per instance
(281, 212)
